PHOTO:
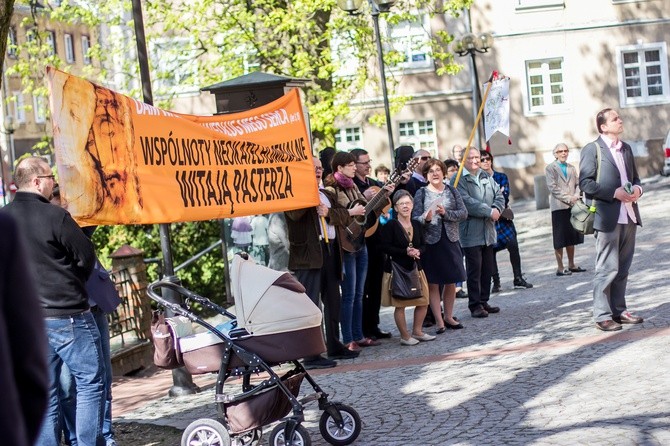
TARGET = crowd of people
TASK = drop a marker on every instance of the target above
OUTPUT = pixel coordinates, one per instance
(451, 225)
(342, 250)
(55, 359)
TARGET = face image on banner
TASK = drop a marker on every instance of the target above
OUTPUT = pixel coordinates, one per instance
(121, 161)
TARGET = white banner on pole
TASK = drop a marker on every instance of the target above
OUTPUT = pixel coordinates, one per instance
(496, 109)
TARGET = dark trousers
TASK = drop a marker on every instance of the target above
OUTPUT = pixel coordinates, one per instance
(324, 283)
(514, 258)
(372, 298)
(479, 267)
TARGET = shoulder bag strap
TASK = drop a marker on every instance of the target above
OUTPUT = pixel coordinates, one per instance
(599, 157)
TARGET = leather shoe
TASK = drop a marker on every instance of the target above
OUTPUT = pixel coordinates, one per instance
(344, 353)
(491, 309)
(480, 312)
(608, 326)
(628, 318)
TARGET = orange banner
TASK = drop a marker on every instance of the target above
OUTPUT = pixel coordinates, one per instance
(121, 161)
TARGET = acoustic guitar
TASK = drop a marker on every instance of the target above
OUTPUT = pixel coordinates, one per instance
(356, 231)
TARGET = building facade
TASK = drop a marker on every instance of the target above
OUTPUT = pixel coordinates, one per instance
(24, 115)
(566, 60)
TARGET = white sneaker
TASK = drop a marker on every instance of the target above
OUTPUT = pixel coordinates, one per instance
(410, 341)
(424, 337)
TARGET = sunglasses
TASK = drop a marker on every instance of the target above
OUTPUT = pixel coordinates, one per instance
(424, 158)
(47, 176)
(485, 160)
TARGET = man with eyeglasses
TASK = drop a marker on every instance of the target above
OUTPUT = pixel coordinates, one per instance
(484, 202)
(373, 282)
(417, 180)
(63, 258)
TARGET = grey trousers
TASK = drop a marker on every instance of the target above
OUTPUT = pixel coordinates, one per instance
(614, 255)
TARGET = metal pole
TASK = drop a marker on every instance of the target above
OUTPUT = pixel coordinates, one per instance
(382, 74)
(181, 379)
(476, 97)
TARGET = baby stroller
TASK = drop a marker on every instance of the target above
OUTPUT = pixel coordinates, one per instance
(276, 324)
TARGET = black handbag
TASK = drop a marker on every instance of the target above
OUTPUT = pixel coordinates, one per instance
(405, 283)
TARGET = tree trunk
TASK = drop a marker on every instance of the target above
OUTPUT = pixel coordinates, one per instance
(6, 18)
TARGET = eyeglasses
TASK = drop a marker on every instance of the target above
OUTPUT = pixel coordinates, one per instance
(403, 203)
(438, 171)
(47, 176)
(364, 162)
(318, 169)
(561, 151)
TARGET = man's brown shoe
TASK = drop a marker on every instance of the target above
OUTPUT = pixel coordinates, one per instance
(480, 312)
(608, 326)
(628, 318)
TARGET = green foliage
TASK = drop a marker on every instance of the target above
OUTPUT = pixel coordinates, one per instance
(205, 277)
(225, 39)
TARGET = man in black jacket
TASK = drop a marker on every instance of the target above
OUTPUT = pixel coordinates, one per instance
(62, 258)
(315, 258)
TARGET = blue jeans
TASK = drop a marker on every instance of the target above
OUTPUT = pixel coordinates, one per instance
(75, 342)
(68, 388)
(353, 287)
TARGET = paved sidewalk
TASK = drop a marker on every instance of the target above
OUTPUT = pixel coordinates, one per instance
(537, 373)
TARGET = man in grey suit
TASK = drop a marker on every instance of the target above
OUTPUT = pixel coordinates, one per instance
(615, 196)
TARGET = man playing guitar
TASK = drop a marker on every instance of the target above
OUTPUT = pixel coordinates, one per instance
(373, 282)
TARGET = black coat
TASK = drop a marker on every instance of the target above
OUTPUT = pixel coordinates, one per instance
(24, 377)
(60, 254)
(394, 243)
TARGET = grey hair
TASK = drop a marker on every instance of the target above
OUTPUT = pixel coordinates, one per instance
(560, 144)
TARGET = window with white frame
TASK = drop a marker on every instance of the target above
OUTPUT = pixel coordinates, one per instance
(419, 134)
(176, 68)
(51, 42)
(12, 43)
(348, 138)
(40, 109)
(643, 74)
(521, 5)
(411, 38)
(69, 48)
(19, 110)
(85, 46)
(545, 85)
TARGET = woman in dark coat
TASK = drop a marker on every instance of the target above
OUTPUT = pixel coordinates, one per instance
(402, 241)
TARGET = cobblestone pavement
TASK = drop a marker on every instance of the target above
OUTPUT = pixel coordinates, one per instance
(537, 373)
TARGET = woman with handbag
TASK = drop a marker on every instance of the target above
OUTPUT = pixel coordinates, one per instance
(402, 241)
(439, 207)
(562, 183)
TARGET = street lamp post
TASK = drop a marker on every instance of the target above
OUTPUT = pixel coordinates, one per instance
(471, 44)
(376, 7)
(8, 129)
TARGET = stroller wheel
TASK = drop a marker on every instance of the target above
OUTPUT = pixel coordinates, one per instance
(205, 432)
(343, 434)
(300, 436)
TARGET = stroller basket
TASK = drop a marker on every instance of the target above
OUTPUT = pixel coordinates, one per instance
(262, 408)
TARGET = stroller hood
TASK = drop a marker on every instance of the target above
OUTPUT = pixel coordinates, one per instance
(269, 301)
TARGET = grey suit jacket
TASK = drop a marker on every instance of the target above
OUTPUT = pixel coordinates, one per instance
(607, 207)
(561, 188)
